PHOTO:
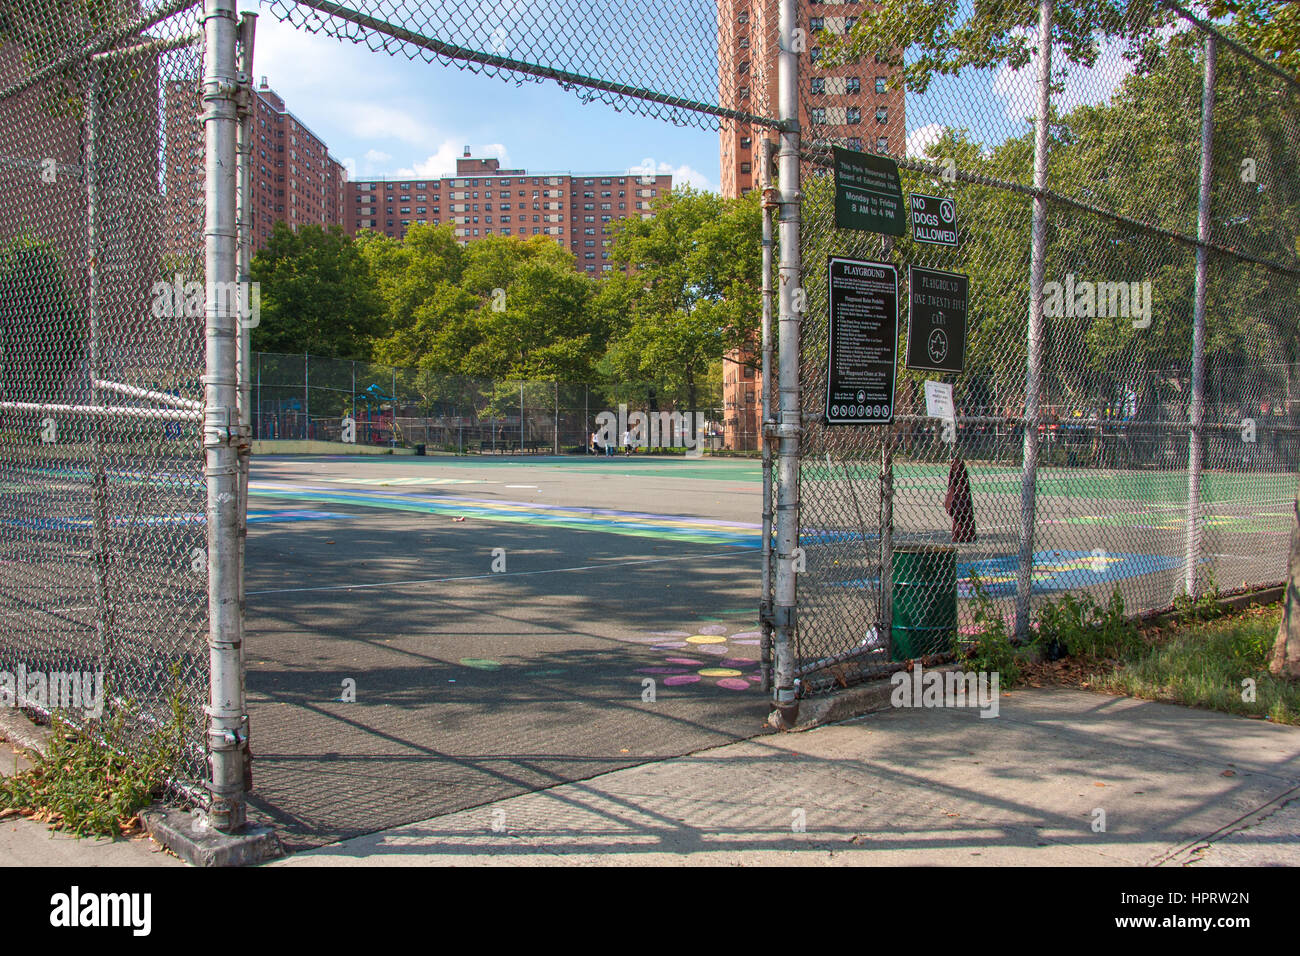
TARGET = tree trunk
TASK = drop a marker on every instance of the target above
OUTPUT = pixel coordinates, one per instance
(1285, 661)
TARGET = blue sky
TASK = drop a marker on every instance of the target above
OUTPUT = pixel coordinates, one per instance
(387, 115)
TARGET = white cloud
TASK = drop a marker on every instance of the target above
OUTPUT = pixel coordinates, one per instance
(364, 96)
(688, 175)
(919, 140)
(1080, 85)
(443, 161)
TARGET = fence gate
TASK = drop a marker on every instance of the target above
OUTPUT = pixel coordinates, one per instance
(103, 551)
(1127, 413)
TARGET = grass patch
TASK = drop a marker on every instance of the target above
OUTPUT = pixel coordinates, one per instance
(89, 782)
(1220, 665)
(1205, 656)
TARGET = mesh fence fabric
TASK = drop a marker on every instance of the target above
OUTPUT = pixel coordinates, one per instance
(102, 533)
(1112, 495)
(657, 60)
(297, 397)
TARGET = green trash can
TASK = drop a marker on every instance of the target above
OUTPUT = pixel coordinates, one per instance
(925, 600)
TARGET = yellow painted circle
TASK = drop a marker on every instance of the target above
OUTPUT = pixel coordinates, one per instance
(706, 639)
(718, 672)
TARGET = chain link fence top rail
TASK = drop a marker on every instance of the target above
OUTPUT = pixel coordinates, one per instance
(102, 535)
(658, 60)
(1116, 376)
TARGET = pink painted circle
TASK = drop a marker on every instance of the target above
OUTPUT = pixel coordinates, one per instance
(681, 679)
(733, 683)
(746, 635)
(683, 660)
(748, 641)
(712, 629)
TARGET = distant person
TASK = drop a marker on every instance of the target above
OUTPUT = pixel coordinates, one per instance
(958, 502)
(627, 443)
(609, 447)
(595, 443)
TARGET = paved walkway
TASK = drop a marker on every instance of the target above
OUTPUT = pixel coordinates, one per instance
(1177, 786)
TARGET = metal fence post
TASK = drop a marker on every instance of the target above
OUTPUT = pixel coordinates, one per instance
(887, 544)
(222, 435)
(784, 609)
(1196, 410)
(243, 343)
(1034, 337)
(771, 201)
(306, 396)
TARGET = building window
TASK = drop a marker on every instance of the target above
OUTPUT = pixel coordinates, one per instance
(852, 84)
(815, 54)
(882, 115)
(853, 115)
(745, 143)
(818, 84)
(880, 84)
(744, 168)
(855, 143)
(817, 23)
(818, 115)
(882, 144)
(848, 24)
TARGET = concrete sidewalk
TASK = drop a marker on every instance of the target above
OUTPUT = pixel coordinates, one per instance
(933, 787)
(909, 787)
(24, 843)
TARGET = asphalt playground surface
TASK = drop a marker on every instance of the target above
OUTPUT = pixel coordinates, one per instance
(471, 684)
(474, 684)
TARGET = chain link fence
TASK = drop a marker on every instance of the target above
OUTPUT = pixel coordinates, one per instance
(925, 529)
(302, 397)
(103, 573)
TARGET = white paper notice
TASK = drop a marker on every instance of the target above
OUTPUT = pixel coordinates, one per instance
(938, 400)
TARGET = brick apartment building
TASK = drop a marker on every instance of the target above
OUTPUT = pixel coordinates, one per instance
(577, 211)
(295, 179)
(858, 106)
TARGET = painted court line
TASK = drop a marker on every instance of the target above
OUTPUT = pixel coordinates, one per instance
(491, 574)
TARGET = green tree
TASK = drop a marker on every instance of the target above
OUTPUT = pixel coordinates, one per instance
(43, 328)
(693, 293)
(317, 295)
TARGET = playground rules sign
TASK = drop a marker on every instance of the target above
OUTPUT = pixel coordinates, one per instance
(862, 342)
